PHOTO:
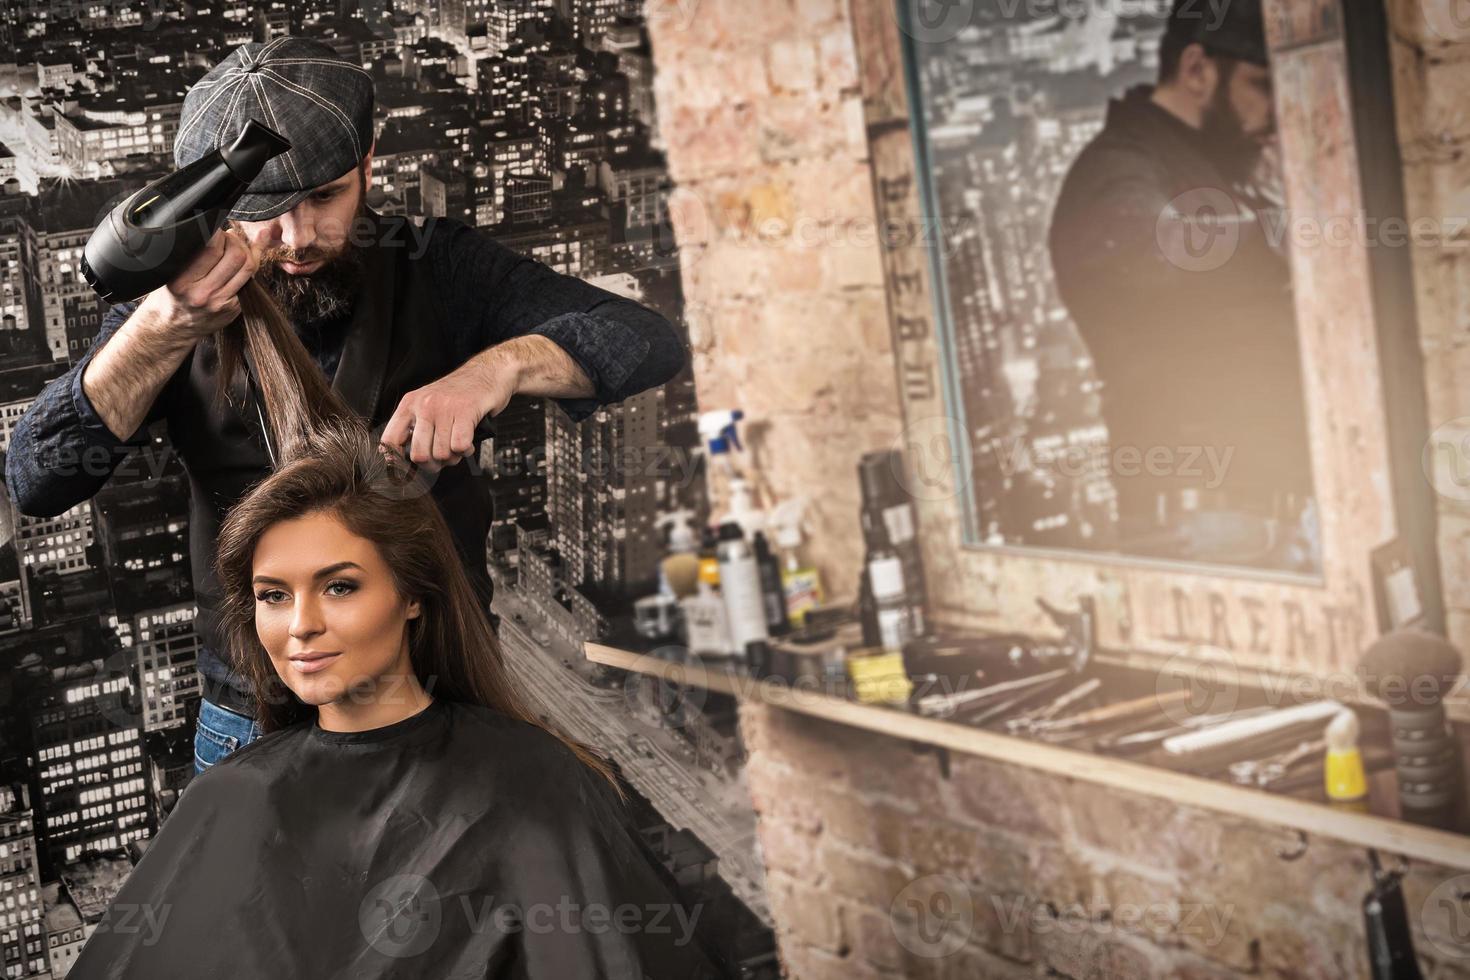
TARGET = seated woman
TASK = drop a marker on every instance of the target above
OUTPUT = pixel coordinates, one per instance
(405, 815)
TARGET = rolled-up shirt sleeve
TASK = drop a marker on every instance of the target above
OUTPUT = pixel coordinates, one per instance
(61, 452)
(492, 294)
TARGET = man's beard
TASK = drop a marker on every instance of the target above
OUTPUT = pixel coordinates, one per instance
(328, 292)
(1234, 152)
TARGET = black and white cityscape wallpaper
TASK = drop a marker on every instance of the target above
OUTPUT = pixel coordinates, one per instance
(533, 119)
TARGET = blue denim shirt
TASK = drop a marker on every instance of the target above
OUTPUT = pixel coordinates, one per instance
(491, 294)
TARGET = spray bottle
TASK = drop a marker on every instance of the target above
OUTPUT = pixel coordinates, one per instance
(719, 432)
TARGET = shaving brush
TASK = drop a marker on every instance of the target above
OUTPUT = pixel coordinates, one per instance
(1344, 778)
(1411, 671)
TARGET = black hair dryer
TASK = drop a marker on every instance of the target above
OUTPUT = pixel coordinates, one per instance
(152, 236)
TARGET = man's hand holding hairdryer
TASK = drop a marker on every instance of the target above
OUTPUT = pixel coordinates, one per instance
(125, 376)
(205, 297)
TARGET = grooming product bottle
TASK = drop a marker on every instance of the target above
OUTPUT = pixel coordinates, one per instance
(773, 594)
(740, 584)
(1345, 780)
(889, 524)
(800, 582)
(709, 565)
(679, 572)
(892, 607)
(706, 623)
(868, 609)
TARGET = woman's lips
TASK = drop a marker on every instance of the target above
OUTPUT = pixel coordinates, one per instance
(314, 664)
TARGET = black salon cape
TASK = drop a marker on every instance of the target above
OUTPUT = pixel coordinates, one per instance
(457, 843)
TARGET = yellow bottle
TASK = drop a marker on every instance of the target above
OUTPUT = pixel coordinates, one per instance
(1346, 782)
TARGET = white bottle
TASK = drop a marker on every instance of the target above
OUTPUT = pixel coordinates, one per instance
(895, 622)
(740, 584)
(706, 624)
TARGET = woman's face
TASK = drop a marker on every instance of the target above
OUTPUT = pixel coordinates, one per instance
(327, 610)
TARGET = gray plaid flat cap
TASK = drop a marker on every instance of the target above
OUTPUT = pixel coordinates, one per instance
(302, 89)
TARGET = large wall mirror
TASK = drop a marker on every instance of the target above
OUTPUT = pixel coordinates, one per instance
(1114, 295)
(1137, 359)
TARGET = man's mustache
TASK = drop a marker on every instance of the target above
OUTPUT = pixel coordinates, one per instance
(276, 257)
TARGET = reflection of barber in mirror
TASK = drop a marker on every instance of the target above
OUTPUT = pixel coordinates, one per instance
(1166, 246)
(423, 328)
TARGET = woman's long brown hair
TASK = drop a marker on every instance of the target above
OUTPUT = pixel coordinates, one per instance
(328, 461)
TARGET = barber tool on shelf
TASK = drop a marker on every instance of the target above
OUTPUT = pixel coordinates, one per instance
(1046, 686)
(1411, 670)
(1246, 730)
(1263, 772)
(1132, 743)
(1343, 775)
(1307, 777)
(1066, 659)
(1386, 920)
(1110, 715)
(148, 239)
(1029, 720)
(1079, 628)
(1211, 750)
(945, 705)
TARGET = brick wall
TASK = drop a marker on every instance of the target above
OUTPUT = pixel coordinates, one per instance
(759, 104)
(1431, 60)
(883, 859)
(881, 864)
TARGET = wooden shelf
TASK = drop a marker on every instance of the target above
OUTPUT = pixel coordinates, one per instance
(1391, 836)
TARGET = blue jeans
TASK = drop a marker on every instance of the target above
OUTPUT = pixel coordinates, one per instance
(219, 732)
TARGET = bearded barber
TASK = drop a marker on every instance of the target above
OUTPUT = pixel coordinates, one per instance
(1167, 259)
(425, 330)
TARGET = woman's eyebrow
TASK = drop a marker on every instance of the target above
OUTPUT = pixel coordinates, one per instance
(320, 573)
